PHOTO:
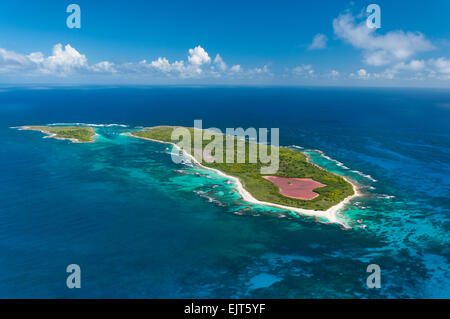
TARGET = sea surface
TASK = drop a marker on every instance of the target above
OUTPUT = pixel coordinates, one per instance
(141, 226)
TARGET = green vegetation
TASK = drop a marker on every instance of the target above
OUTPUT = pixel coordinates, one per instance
(82, 134)
(293, 164)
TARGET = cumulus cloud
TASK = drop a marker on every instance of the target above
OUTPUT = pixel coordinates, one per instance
(396, 50)
(66, 61)
(257, 71)
(362, 74)
(105, 67)
(420, 69)
(10, 57)
(394, 46)
(221, 65)
(163, 65)
(198, 56)
(63, 60)
(414, 65)
(236, 68)
(319, 42)
(11, 61)
(411, 66)
(442, 65)
(334, 74)
(303, 70)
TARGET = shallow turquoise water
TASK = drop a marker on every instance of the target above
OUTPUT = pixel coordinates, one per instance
(141, 226)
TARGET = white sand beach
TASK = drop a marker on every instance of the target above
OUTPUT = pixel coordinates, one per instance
(330, 214)
(53, 135)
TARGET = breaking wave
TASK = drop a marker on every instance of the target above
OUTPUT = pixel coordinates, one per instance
(88, 124)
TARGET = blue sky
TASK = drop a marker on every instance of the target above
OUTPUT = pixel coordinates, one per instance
(258, 42)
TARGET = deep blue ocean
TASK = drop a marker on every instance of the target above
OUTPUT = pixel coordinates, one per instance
(141, 226)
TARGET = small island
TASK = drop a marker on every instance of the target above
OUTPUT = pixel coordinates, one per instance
(75, 134)
(298, 186)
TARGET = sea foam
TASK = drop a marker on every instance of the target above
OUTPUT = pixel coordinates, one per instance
(88, 124)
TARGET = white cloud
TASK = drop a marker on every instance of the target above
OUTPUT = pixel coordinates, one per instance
(259, 71)
(362, 74)
(334, 74)
(414, 65)
(418, 69)
(105, 67)
(303, 70)
(10, 57)
(411, 66)
(197, 59)
(62, 61)
(383, 75)
(198, 56)
(65, 61)
(236, 68)
(442, 65)
(162, 64)
(36, 57)
(319, 42)
(11, 62)
(394, 46)
(220, 63)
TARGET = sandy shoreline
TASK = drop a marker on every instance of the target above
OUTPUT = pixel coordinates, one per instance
(53, 135)
(330, 214)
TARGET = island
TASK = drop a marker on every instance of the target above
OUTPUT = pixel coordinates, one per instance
(75, 134)
(298, 185)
